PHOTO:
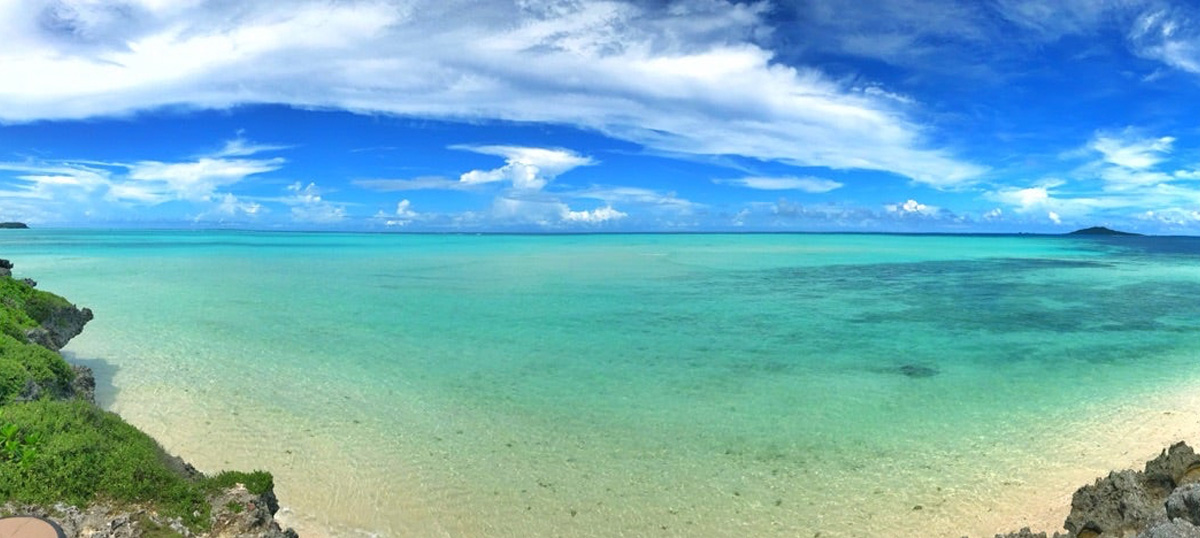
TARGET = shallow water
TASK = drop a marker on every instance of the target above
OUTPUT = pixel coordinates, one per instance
(637, 385)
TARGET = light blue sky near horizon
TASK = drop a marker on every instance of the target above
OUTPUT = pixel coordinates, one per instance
(568, 116)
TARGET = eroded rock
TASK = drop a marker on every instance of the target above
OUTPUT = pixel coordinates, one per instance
(1116, 506)
(60, 327)
(1184, 503)
(1172, 529)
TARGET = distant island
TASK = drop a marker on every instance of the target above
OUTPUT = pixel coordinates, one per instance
(14, 225)
(1100, 230)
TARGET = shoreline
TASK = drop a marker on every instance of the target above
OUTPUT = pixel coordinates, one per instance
(1101, 440)
(68, 460)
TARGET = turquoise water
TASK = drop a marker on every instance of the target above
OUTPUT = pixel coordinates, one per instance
(630, 385)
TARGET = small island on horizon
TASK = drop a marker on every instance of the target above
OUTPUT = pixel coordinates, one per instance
(14, 225)
(1101, 230)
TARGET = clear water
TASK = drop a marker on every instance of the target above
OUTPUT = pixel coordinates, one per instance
(633, 385)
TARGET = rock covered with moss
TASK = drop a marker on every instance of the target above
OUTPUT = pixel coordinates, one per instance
(64, 458)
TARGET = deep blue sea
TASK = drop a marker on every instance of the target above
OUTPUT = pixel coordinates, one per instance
(642, 385)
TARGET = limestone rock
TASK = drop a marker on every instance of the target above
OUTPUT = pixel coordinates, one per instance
(84, 384)
(60, 327)
(1116, 506)
(1170, 468)
(237, 513)
(1026, 533)
(1184, 504)
(1174, 529)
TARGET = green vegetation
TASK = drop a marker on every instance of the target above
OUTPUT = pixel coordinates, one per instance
(68, 450)
(23, 363)
(86, 454)
(257, 482)
(16, 447)
(25, 307)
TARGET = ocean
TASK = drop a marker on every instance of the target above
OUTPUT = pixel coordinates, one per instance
(705, 385)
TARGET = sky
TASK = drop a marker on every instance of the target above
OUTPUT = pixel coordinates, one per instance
(992, 116)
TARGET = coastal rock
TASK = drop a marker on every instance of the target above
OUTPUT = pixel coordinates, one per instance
(1116, 506)
(1173, 529)
(5, 268)
(1172, 467)
(237, 513)
(59, 327)
(84, 384)
(1026, 533)
(1184, 504)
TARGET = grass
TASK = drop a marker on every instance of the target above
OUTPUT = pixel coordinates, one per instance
(89, 454)
(83, 453)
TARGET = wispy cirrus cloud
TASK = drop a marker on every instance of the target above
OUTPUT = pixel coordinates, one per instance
(91, 185)
(688, 78)
(788, 183)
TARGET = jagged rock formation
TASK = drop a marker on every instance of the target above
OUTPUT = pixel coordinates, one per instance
(60, 326)
(1161, 501)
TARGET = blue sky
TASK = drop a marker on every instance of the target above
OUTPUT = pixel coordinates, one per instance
(564, 116)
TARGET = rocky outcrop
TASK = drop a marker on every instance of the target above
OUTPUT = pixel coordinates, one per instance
(1161, 501)
(1129, 502)
(60, 326)
(236, 513)
(239, 513)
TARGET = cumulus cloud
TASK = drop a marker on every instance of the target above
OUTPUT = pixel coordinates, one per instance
(687, 78)
(911, 207)
(402, 216)
(806, 184)
(309, 207)
(595, 216)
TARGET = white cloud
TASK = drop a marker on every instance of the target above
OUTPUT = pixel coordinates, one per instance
(402, 216)
(50, 181)
(912, 207)
(230, 205)
(994, 214)
(648, 199)
(1174, 216)
(1128, 150)
(806, 184)
(688, 78)
(1054, 217)
(1168, 37)
(415, 184)
(309, 207)
(196, 180)
(240, 147)
(595, 216)
(1024, 199)
(525, 168)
